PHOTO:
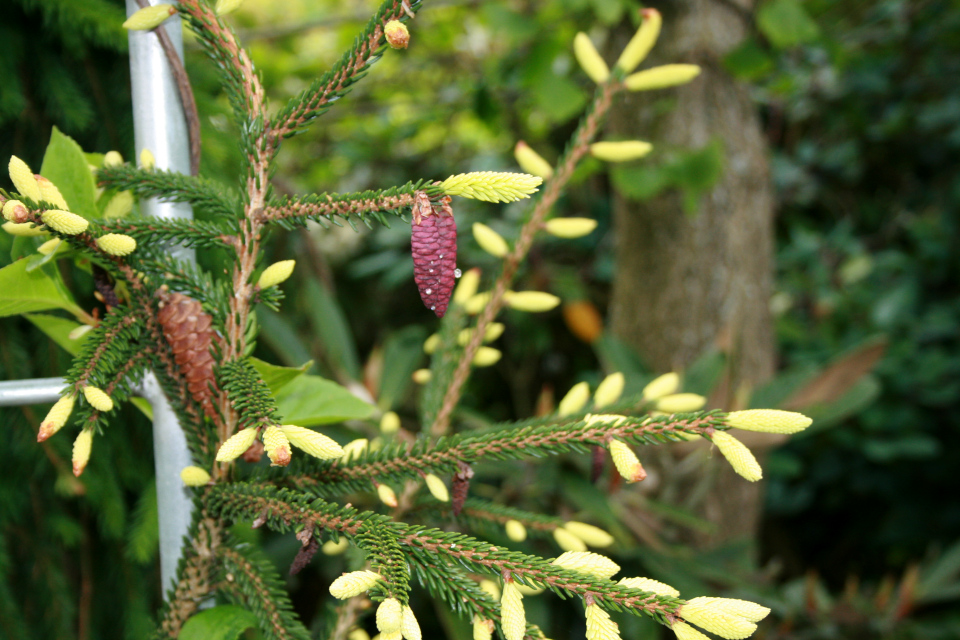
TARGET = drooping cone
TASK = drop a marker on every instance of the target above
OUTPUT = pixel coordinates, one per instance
(433, 243)
(187, 329)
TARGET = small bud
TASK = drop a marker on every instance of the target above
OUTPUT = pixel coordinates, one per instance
(606, 419)
(112, 159)
(234, 447)
(768, 420)
(515, 530)
(491, 186)
(477, 302)
(583, 320)
(686, 632)
(98, 399)
(80, 331)
(277, 446)
(26, 229)
(482, 629)
(489, 240)
(353, 584)
(227, 6)
(531, 161)
(396, 635)
(117, 244)
(589, 58)
(620, 151)
(149, 17)
(119, 206)
(626, 462)
(593, 536)
(568, 541)
(311, 442)
(276, 273)
(587, 562)
(531, 301)
(750, 611)
(15, 211)
(513, 618)
(390, 422)
(739, 457)
(430, 344)
(681, 403)
(67, 223)
(358, 634)
(422, 376)
(354, 449)
(467, 288)
(599, 624)
(194, 476)
(661, 386)
(570, 227)
(397, 34)
(490, 588)
(49, 193)
(81, 451)
(575, 400)
(56, 417)
(147, 161)
(409, 626)
(437, 488)
(387, 496)
(714, 617)
(49, 246)
(668, 75)
(493, 331)
(609, 390)
(642, 41)
(331, 548)
(647, 584)
(23, 179)
(486, 356)
(389, 615)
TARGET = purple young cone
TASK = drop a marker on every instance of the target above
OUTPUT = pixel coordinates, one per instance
(433, 243)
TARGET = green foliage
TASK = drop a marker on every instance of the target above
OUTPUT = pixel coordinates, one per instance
(224, 622)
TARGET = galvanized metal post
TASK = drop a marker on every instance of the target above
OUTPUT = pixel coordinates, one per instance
(17, 393)
(160, 126)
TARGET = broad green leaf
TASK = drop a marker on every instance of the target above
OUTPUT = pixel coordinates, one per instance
(559, 97)
(65, 165)
(25, 291)
(786, 23)
(225, 622)
(277, 332)
(312, 400)
(330, 324)
(58, 329)
(276, 376)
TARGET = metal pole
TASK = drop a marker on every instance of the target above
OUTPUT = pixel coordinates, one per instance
(160, 126)
(17, 393)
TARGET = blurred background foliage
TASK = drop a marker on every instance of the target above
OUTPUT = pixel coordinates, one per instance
(863, 123)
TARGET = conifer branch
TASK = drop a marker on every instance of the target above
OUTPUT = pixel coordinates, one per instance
(293, 212)
(251, 581)
(195, 573)
(399, 462)
(282, 510)
(578, 148)
(118, 388)
(104, 346)
(334, 84)
(188, 278)
(158, 233)
(171, 186)
(482, 515)
(248, 394)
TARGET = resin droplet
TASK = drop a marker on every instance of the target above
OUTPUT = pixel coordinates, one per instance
(433, 243)
(457, 273)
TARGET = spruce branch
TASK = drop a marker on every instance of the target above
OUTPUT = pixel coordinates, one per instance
(577, 149)
(119, 387)
(195, 572)
(190, 279)
(282, 509)
(171, 186)
(334, 84)
(157, 234)
(250, 580)
(248, 394)
(538, 439)
(482, 515)
(322, 207)
(105, 346)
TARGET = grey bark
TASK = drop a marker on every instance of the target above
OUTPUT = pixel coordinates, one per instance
(685, 282)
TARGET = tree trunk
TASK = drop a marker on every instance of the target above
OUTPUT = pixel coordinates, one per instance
(687, 281)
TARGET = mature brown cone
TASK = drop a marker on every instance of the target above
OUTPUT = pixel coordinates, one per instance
(189, 334)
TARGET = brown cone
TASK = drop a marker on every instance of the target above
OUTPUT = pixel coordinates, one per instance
(188, 332)
(433, 243)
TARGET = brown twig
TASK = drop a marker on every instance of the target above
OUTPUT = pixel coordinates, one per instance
(551, 192)
(186, 92)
